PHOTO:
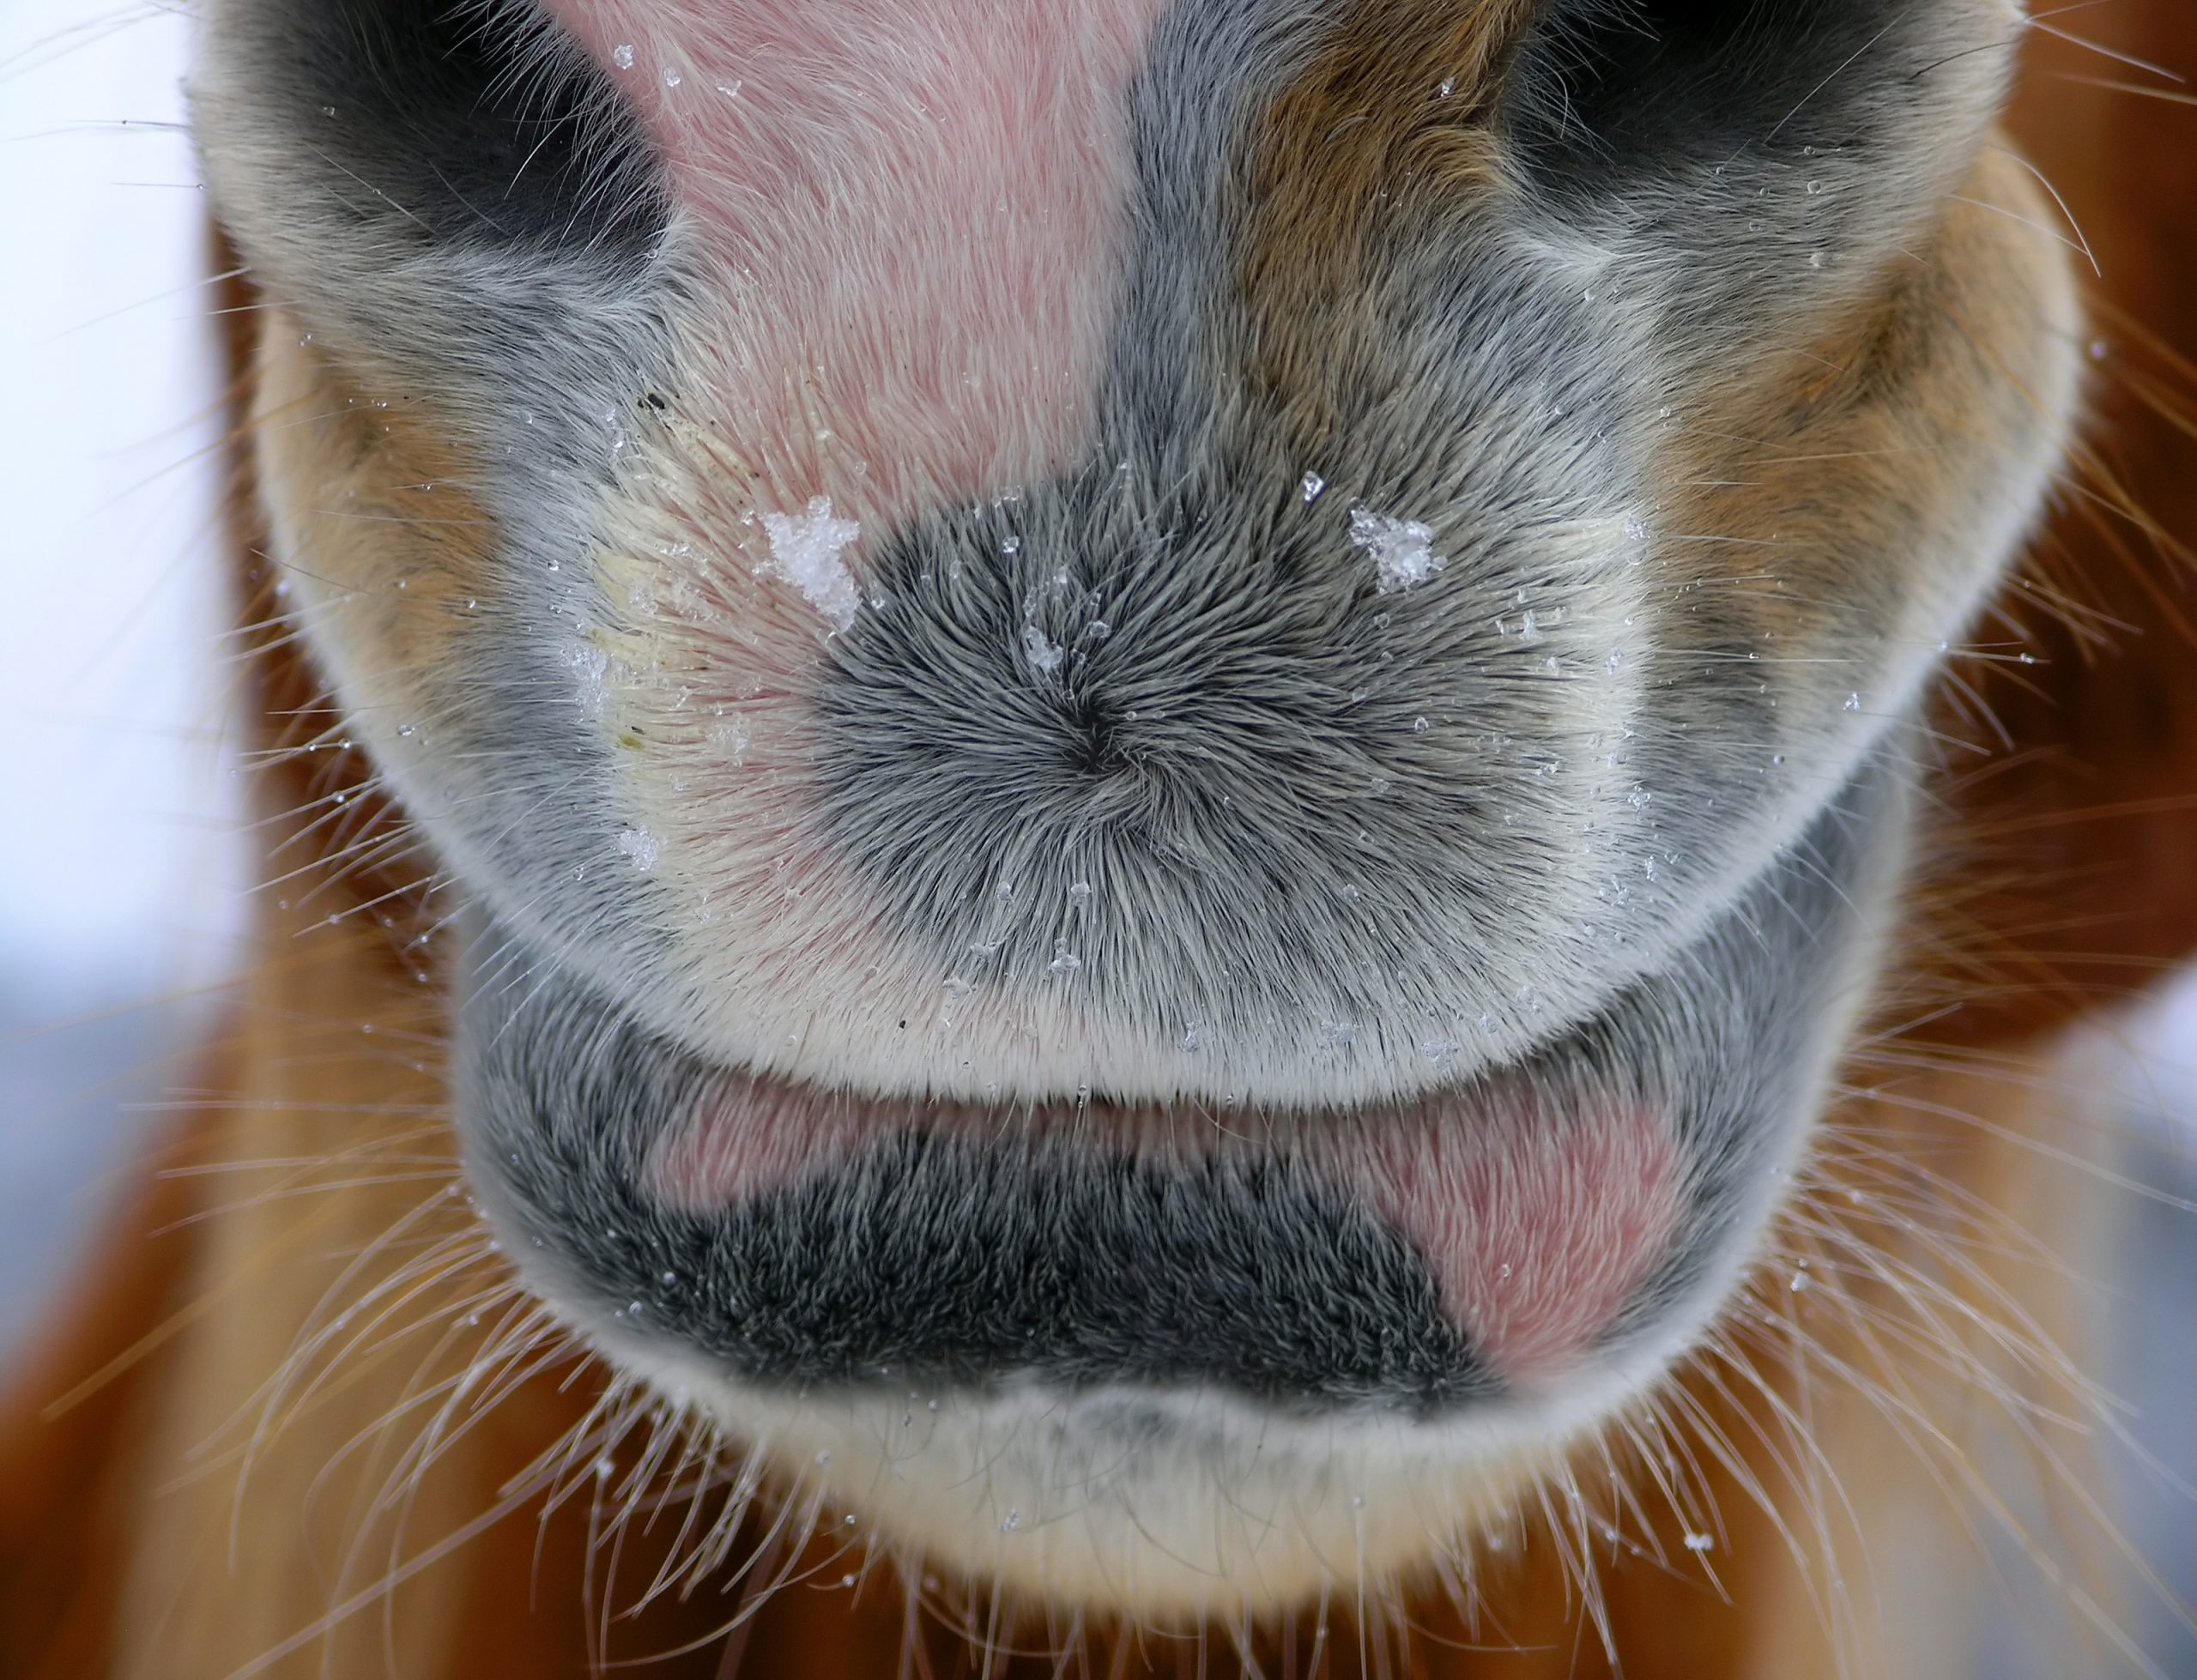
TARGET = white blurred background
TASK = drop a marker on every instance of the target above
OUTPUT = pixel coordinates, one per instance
(121, 871)
(123, 876)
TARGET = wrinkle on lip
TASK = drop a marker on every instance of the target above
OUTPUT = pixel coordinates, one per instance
(1539, 1219)
(1624, 1164)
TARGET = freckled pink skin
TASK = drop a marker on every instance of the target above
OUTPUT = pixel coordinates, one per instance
(912, 213)
(1539, 1227)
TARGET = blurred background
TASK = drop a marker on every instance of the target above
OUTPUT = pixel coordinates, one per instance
(122, 863)
(124, 871)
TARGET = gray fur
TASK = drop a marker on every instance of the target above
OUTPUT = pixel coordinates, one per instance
(1325, 827)
(456, 202)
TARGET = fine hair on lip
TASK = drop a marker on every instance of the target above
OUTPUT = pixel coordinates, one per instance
(1511, 1236)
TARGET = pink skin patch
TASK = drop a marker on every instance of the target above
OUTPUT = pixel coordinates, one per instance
(911, 218)
(1540, 1228)
(753, 1135)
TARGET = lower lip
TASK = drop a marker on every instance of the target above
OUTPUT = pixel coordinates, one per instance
(1540, 1221)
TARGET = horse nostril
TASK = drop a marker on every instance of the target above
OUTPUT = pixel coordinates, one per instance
(1797, 146)
(475, 123)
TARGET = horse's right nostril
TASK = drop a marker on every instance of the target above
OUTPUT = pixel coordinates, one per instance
(1780, 146)
(471, 123)
(420, 166)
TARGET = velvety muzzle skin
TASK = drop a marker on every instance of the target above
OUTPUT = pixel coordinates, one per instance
(1174, 757)
(1172, 775)
(1249, 1297)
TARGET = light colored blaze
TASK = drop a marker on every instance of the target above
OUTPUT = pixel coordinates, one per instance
(910, 217)
(903, 229)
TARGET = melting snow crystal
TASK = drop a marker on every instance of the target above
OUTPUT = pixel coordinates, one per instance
(1402, 549)
(592, 666)
(806, 550)
(1043, 653)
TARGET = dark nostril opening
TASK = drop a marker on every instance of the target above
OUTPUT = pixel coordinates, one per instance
(1616, 88)
(453, 120)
